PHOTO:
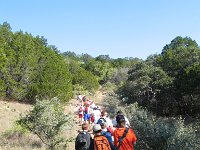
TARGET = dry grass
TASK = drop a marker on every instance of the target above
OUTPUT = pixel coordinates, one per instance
(10, 112)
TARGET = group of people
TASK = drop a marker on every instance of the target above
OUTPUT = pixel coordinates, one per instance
(99, 132)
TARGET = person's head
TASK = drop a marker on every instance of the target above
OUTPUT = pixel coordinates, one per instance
(97, 129)
(104, 113)
(84, 126)
(84, 98)
(103, 125)
(120, 120)
(119, 112)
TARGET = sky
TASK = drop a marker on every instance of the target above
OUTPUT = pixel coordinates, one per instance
(118, 28)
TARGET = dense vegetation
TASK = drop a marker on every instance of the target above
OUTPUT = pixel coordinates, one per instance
(169, 83)
(30, 68)
(162, 92)
(156, 133)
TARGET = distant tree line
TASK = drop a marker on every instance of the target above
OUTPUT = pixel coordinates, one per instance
(167, 84)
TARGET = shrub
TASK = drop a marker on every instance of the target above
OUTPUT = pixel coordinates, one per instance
(46, 120)
(160, 133)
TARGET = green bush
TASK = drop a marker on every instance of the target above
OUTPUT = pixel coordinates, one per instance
(46, 120)
(161, 133)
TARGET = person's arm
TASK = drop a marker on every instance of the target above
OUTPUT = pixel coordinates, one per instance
(110, 140)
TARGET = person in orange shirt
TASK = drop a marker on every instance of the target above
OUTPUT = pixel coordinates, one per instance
(124, 138)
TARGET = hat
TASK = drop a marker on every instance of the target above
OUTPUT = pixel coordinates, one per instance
(96, 127)
(120, 118)
(102, 121)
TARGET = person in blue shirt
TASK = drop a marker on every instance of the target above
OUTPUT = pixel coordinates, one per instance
(107, 134)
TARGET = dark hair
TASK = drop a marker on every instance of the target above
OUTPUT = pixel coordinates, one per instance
(119, 112)
(120, 118)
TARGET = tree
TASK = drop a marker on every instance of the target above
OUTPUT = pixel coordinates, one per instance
(144, 84)
(30, 68)
(180, 60)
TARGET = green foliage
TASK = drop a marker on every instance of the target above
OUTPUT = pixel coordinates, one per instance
(161, 133)
(145, 83)
(46, 120)
(85, 79)
(185, 137)
(52, 78)
(30, 68)
(119, 76)
(167, 84)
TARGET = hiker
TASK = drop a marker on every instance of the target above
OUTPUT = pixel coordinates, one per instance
(97, 114)
(80, 114)
(100, 141)
(104, 117)
(124, 138)
(84, 139)
(87, 114)
(107, 134)
(126, 119)
(84, 100)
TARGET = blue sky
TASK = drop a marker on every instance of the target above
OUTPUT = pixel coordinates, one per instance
(118, 28)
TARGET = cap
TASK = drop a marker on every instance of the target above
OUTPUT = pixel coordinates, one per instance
(102, 121)
(120, 118)
(96, 127)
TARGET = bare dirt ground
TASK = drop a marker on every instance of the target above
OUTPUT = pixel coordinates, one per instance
(10, 112)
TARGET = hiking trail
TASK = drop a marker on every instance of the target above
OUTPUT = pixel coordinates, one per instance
(71, 110)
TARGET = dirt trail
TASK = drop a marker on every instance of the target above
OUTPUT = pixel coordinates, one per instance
(72, 108)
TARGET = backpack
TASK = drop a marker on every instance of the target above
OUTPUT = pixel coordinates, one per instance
(82, 141)
(101, 143)
(121, 138)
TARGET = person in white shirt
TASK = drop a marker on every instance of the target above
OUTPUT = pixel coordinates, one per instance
(104, 117)
(97, 114)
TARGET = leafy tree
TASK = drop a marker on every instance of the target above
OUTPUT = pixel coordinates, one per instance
(52, 78)
(180, 60)
(144, 84)
(30, 68)
(103, 58)
(71, 55)
(7, 58)
(86, 79)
